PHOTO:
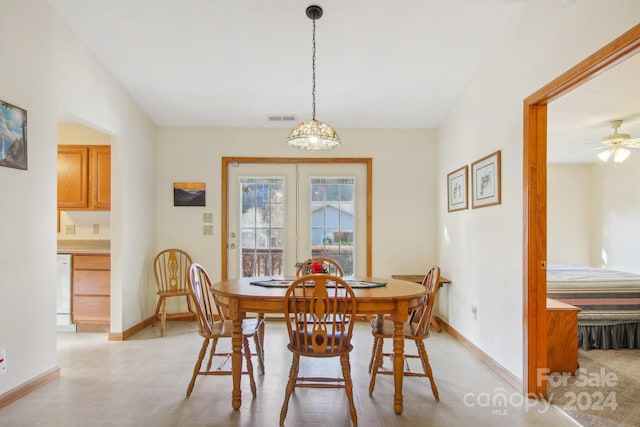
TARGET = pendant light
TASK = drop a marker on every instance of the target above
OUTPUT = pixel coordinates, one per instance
(313, 134)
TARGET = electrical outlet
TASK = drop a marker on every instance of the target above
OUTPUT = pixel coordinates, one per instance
(70, 229)
(96, 228)
(207, 217)
(207, 230)
(3, 362)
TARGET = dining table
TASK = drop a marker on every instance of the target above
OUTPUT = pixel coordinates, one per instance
(390, 298)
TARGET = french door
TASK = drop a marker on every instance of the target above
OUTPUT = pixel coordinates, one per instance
(281, 211)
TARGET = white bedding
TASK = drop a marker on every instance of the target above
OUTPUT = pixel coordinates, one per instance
(561, 276)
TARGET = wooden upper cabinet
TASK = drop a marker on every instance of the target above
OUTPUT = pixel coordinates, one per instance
(73, 177)
(100, 179)
(84, 177)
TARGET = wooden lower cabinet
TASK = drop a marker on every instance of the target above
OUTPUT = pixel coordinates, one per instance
(562, 337)
(91, 284)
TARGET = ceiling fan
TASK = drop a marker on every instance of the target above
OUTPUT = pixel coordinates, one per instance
(617, 144)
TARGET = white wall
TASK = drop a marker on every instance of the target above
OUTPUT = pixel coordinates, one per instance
(570, 214)
(404, 188)
(481, 250)
(593, 213)
(47, 72)
(616, 241)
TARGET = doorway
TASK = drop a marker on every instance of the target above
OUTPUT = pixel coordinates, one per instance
(535, 200)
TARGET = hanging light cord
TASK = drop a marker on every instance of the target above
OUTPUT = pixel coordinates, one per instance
(313, 68)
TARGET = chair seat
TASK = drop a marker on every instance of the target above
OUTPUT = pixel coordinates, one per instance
(225, 328)
(409, 330)
(173, 293)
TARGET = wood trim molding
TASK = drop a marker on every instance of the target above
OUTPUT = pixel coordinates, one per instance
(535, 198)
(226, 161)
(31, 385)
(484, 357)
(121, 336)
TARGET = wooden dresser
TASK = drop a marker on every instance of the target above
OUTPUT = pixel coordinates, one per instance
(562, 337)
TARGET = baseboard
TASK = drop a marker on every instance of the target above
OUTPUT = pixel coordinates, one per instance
(121, 336)
(28, 387)
(484, 357)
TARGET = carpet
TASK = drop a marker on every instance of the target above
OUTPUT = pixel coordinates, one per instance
(605, 392)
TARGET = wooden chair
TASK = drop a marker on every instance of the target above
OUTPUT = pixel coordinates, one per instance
(332, 267)
(212, 330)
(171, 268)
(416, 329)
(319, 311)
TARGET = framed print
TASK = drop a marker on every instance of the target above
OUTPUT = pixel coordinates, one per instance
(457, 184)
(13, 136)
(485, 181)
(189, 193)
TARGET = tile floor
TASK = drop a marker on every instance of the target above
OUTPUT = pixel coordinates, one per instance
(142, 382)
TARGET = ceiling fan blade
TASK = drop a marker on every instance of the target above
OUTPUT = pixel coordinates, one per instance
(632, 143)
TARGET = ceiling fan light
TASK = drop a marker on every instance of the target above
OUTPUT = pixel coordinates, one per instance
(604, 155)
(621, 155)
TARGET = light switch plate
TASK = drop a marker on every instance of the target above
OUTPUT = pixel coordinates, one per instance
(207, 217)
(207, 230)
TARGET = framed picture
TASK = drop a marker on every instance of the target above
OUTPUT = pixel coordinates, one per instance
(457, 184)
(485, 181)
(189, 193)
(13, 136)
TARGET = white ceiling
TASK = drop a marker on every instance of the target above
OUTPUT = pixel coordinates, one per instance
(380, 64)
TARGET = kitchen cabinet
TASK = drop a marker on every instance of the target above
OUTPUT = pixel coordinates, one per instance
(73, 177)
(91, 283)
(84, 177)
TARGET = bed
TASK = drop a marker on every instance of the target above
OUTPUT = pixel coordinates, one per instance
(610, 303)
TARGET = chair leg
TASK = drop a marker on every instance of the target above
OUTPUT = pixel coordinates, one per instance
(260, 336)
(196, 368)
(373, 353)
(424, 357)
(193, 313)
(259, 353)
(293, 375)
(163, 316)
(376, 363)
(155, 316)
(214, 343)
(348, 387)
(247, 356)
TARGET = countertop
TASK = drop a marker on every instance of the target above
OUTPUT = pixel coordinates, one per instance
(84, 246)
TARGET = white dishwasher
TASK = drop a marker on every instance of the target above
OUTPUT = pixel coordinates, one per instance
(63, 295)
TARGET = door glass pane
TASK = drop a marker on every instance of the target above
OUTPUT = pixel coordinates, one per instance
(332, 220)
(262, 226)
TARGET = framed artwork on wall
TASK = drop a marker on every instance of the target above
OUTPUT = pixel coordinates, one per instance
(13, 136)
(485, 181)
(189, 194)
(457, 184)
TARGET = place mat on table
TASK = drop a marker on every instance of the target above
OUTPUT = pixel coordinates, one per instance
(279, 283)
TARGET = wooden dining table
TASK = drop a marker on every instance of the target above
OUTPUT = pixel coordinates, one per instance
(395, 299)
